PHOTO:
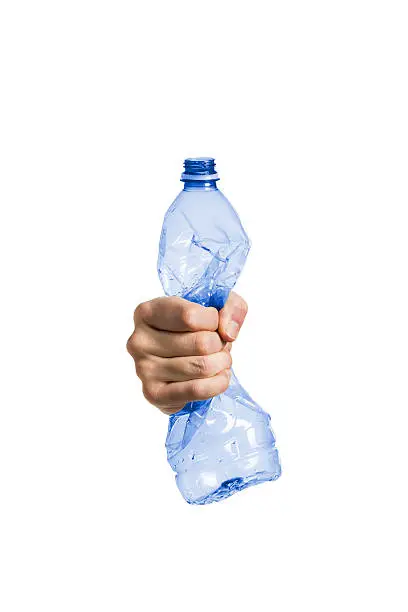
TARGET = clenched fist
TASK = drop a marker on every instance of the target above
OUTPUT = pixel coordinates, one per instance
(182, 350)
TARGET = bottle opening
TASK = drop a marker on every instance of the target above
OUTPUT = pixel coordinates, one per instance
(199, 169)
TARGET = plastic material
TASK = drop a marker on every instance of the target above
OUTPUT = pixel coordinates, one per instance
(224, 444)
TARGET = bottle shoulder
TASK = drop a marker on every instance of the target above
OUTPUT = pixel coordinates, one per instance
(200, 195)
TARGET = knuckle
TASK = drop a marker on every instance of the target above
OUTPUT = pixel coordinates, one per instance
(201, 366)
(144, 368)
(187, 316)
(204, 343)
(135, 343)
(131, 344)
(152, 393)
(143, 311)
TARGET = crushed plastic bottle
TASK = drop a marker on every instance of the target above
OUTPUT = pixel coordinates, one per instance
(224, 444)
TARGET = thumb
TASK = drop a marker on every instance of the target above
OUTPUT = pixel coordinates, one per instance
(232, 317)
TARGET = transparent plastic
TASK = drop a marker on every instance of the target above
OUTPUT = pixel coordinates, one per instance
(224, 444)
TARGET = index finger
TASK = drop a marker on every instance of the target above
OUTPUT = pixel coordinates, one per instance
(177, 315)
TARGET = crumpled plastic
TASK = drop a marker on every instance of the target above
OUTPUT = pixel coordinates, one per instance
(223, 444)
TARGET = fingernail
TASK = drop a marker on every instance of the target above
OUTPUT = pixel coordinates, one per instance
(232, 329)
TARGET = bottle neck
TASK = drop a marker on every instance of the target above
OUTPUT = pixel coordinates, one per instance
(200, 185)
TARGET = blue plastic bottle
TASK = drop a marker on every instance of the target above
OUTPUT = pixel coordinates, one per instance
(224, 444)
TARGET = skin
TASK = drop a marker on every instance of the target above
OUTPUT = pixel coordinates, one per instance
(182, 351)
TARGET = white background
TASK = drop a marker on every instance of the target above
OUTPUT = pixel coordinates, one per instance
(304, 105)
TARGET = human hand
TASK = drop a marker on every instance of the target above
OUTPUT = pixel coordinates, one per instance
(182, 350)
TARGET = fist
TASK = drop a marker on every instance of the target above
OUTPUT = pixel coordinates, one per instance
(182, 350)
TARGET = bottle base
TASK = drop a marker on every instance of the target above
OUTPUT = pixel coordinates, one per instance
(229, 487)
(224, 480)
